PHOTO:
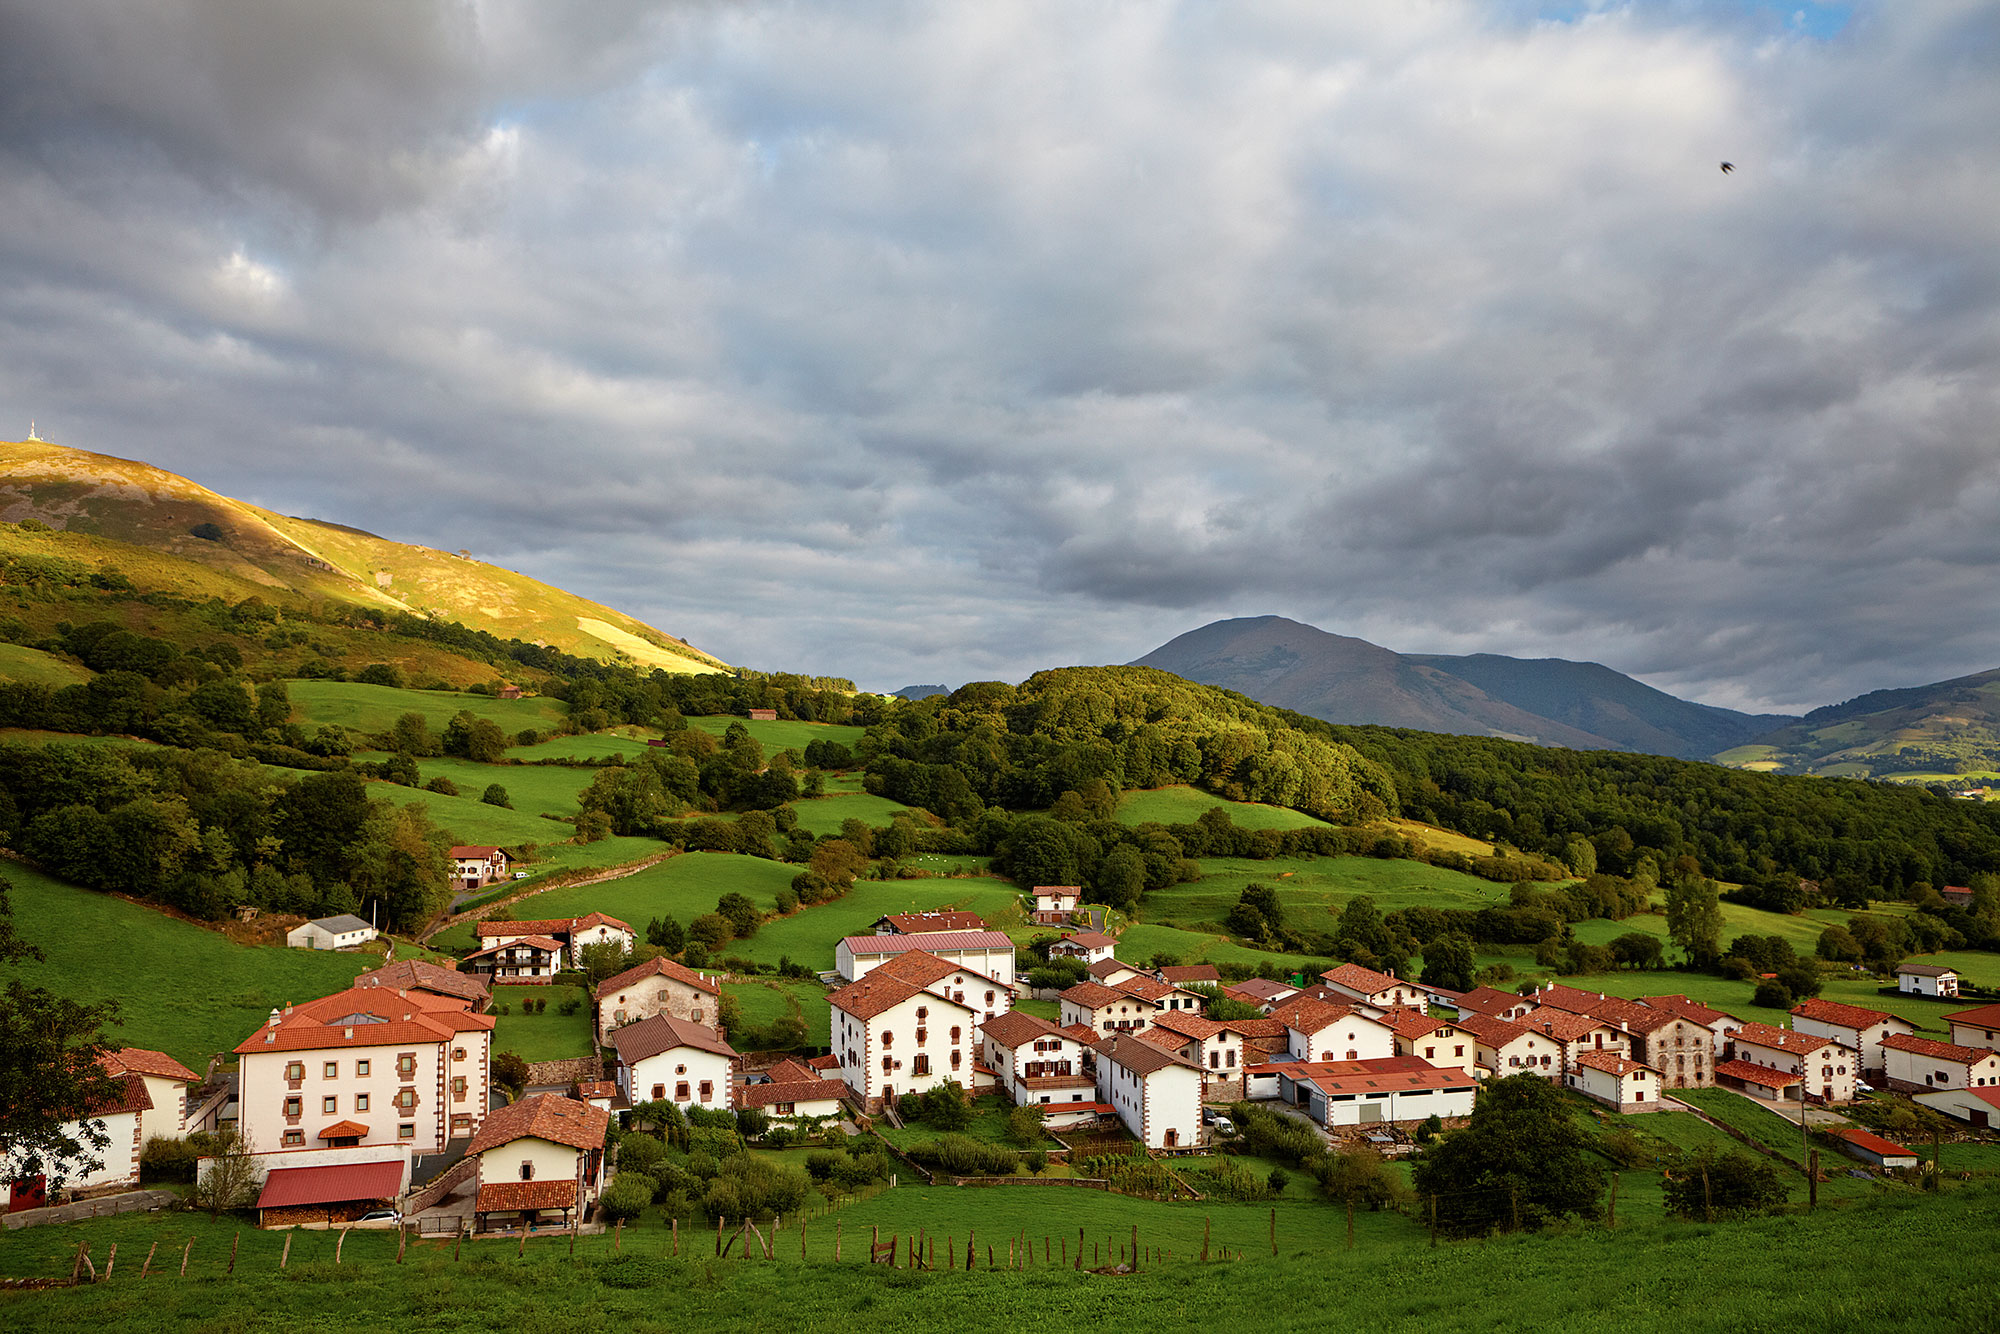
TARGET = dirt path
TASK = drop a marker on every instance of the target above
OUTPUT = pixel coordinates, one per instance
(450, 920)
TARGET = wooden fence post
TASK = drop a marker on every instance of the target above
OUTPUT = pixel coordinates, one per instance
(1812, 1180)
(718, 1236)
(339, 1242)
(989, 1255)
(1707, 1198)
(111, 1260)
(574, 1225)
(186, 1251)
(676, 1235)
(76, 1270)
(402, 1240)
(237, 1241)
(950, 1251)
(968, 1250)
(1206, 1223)
(1135, 1239)
(285, 1256)
(147, 1267)
(802, 1236)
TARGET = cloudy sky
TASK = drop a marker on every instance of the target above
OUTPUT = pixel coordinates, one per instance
(932, 342)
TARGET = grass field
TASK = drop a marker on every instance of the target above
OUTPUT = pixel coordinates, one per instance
(182, 990)
(1640, 1278)
(809, 935)
(20, 663)
(629, 742)
(1185, 805)
(373, 709)
(822, 815)
(783, 734)
(1142, 940)
(765, 1002)
(535, 789)
(549, 1036)
(988, 1125)
(1314, 888)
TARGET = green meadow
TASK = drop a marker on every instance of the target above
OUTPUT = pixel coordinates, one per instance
(21, 663)
(823, 815)
(783, 734)
(1314, 888)
(534, 789)
(372, 709)
(181, 989)
(766, 1002)
(1185, 805)
(809, 935)
(549, 1036)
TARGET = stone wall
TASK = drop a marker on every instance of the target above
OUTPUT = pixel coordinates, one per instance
(569, 1071)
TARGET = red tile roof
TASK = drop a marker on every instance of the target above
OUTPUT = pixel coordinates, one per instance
(1140, 1057)
(1486, 1000)
(793, 1091)
(1182, 974)
(1984, 1016)
(1016, 1028)
(1937, 1051)
(1862, 1139)
(1705, 1015)
(1354, 977)
(1259, 1028)
(1410, 1023)
(1390, 1072)
(928, 940)
(550, 926)
(1148, 989)
(1751, 1073)
(1195, 1025)
(942, 920)
(1565, 1026)
(332, 1183)
(468, 850)
(662, 1032)
(1104, 968)
(387, 1018)
(662, 967)
(1493, 1030)
(546, 944)
(789, 1071)
(1611, 1063)
(921, 968)
(879, 992)
(131, 1096)
(1840, 1016)
(344, 1130)
(1263, 989)
(417, 975)
(508, 1196)
(1306, 1015)
(1083, 1033)
(825, 1063)
(595, 1088)
(1781, 1039)
(1092, 996)
(548, 1116)
(140, 1061)
(1925, 970)
(1090, 940)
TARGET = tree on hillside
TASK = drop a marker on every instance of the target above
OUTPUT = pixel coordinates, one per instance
(1521, 1161)
(50, 1075)
(1450, 962)
(1694, 916)
(1728, 1185)
(473, 738)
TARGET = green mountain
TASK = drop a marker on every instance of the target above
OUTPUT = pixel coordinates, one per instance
(1933, 731)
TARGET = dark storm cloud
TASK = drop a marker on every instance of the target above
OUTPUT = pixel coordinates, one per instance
(940, 343)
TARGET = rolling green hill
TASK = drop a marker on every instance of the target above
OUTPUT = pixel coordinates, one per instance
(1922, 732)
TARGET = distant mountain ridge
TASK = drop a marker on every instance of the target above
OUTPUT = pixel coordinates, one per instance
(1549, 701)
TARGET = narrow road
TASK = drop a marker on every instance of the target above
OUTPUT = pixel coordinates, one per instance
(450, 920)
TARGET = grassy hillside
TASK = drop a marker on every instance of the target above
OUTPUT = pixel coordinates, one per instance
(1948, 728)
(27, 664)
(1185, 805)
(367, 708)
(135, 509)
(184, 990)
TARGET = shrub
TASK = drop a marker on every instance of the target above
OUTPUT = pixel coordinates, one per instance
(640, 1153)
(822, 1164)
(443, 786)
(752, 1187)
(961, 1155)
(943, 1107)
(496, 795)
(1024, 1125)
(752, 1122)
(1730, 1185)
(627, 1196)
(570, 1006)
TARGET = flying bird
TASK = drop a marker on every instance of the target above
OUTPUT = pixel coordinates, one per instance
(1728, 167)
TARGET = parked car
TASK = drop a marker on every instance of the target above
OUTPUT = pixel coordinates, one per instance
(380, 1216)
(1224, 1126)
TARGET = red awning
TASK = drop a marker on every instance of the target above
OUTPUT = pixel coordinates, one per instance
(343, 1130)
(335, 1183)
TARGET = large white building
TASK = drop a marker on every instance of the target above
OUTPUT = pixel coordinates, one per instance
(910, 1025)
(664, 1059)
(541, 1155)
(1156, 1092)
(364, 1067)
(1826, 1070)
(1859, 1030)
(1037, 1064)
(988, 953)
(1389, 1090)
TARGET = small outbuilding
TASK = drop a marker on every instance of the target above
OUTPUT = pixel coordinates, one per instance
(1873, 1149)
(343, 932)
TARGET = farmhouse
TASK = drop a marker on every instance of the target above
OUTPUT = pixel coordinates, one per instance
(343, 932)
(1919, 1065)
(1038, 1064)
(365, 1067)
(1089, 946)
(1719, 1023)
(1164, 997)
(793, 1091)
(894, 1036)
(1052, 905)
(521, 960)
(120, 1116)
(1260, 992)
(1975, 1106)
(476, 866)
(1620, 1084)
(1110, 972)
(1195, 974)
(1393, 1090)
(1105, 1009)
(574, 934)
(328, 1185)
(1921, 979)
(988, 953)
(1368, 987)
(1322, 1031)
(543, 1154)
(1508, 1048)
(1156, 1093)
(1859, 1030)
(1438, 1042)
(915, 923)
(166, 1081)
(761, 715)
(1214, 1045)
(447, 985)
(1678, 1048)
(1872, 1149)
(1976, 1028)
(1826, 1070)
(1497, 1004)
(662, 1058)
(658, 986)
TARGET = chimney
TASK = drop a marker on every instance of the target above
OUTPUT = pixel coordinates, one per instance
(274, 1017)
(348, 1032)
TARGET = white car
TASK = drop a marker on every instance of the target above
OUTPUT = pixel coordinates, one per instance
(380, 1216)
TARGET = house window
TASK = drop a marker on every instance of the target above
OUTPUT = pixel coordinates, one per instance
(922, 1035)
(923, 1064)
(888, 1064)
(954, 1035)
(955, 1056)
(989, 999)
(528, 1170)
(680, 1091)
(707, 1090)
(785, 1109)
(407, 1099)
(458, 1088)
(1232, 1058)
(680, 1069)
(695, 1015)
(294, 1106)
(1460, 1049)
(888, 1040)
(329, 1105)
(407, 1130)
(361, 1069)
(406, 1064)
(294, 1138)
(295, 1071)
(361, 1102)
(923, 1013)
(331, 1070)
(458, 1053)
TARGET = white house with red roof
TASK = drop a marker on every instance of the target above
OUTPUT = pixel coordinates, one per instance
(1978, 1107)
(1388, 1091)
(118, 1116)
(1261, 992)
(362, 1068)
(167, 1082)
(1858, 1029)
(1038, 1064)
(1365, 986)
(664, 1059)
(1921, 1065)
(793, 1091)
(1322, 1031)
(541, 1155)
(988, 953)
(1505, 1047)
(1110, 972)
(1216, 1045)
(518, 961)
(920, 923)
(473, 866)
(1052, 905)
(658, 986)
(1155, 1092)
(1104, 1009)
(1440, 1042)
(895, 1035)
(1619, 1083)
(1978, 1027)
(1498, 1004)
(1923, 979)
(1826, 1070)
(573, 934)
(1088, 946)
(462, 990)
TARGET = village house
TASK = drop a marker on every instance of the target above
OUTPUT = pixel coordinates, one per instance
(665, 1059)
(1505, 1047)
(1680, 1049)
(1038, 1064)
(1053, 905)
(1439, 1042)
(988, 953)
(1089, 946)
(893, 1036)
(1164, 997)
(1215, 1045)
(761, 715)
(1872, 1149)
(365, 1067)
(1156, 1093)
(476, 866)
(1979, 1107)
(573, 934)
(1859, 1030)
(1922, 979)
(1105, 1009)
(1110, 972)
(1827, 1071)
(1189, 974)
(1622, 1085)
(115, 1165)
(1719, 1023)
(1322, 1031)
(521, 961)
(167, 1082)
(919, 923)
(951, 980)
(1920, 1065)
(597, 1092)
(1579, 1033)
(447, 986)
(793, 1091)
(342, 932)
(1365, 986)
(1496, 1004)
(1394, 1090)
(1261, 992)
(541, 1155)
(658, 986)
(1977, 1027)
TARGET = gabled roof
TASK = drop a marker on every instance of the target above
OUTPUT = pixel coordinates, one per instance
(1163, 1037)
(1306, 1015)
(416, 974)
(1761, 1075)
(1258, 1028)
(1705, 1015)
(1565, 998)
(140, 1061)
(1182, 974)
(508, 1196)
(1194, 1025)
(1565, 1026)
(1082, 1033)
(549, 926)
(1924, 970)
(1983, 1016)
(661, 967)
(921, 968)
(1862, 1139)
(1263, 989)
(1781, 1039)
(793, 1090)
(1142, 1058)
(468, 850)
(1090, 940)
(1937, 1051)
(1104, 968)
(1494, 1031)
(1017, 1028)
(548, 1116)
(663, 1032)
(907, 923)
(1149, 989)
(129, 1095)
(1409, 1023)
(1353, 977)
(334, 1183)
(365, 1017)
(1611, 1063)
(546, 944)
(344, 1130)
(859, 946)
(1092, 996)
(1387, 1073)
(1073, 891)
(340, 924)
(1843, 1016)
(1486, 1000)
(879, 992)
